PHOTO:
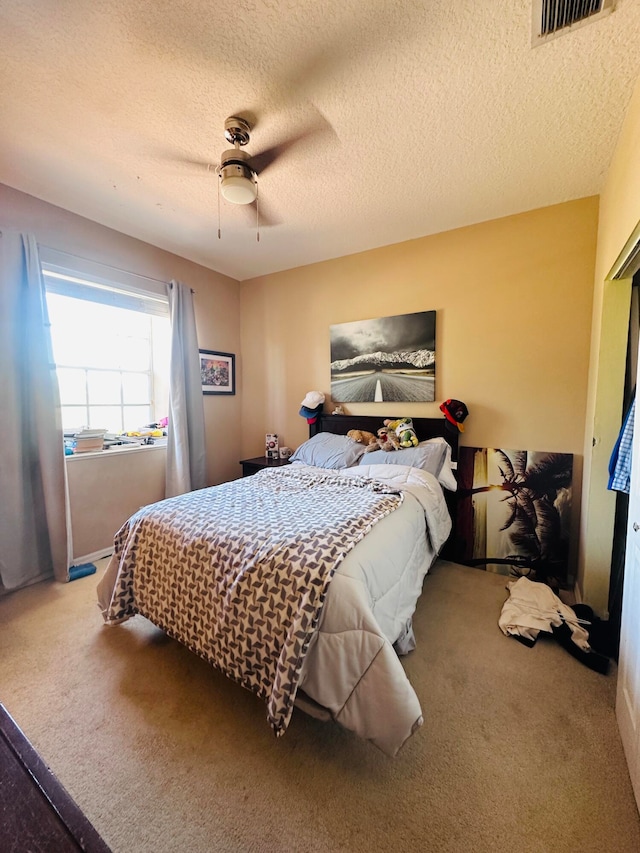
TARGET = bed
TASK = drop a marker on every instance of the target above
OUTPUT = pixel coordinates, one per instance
(300, 581)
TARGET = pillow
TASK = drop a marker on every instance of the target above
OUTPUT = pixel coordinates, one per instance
(433, 456)
(326, 450)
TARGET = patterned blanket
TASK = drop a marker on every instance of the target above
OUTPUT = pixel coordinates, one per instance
(239, 572)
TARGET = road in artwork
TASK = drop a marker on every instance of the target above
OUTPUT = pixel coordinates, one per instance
(383, 387)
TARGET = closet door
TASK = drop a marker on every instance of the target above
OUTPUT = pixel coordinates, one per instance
(628, 696)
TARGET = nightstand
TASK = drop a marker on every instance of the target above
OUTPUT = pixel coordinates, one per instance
(250, 466)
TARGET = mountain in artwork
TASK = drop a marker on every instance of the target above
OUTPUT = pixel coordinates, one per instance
(413, 360)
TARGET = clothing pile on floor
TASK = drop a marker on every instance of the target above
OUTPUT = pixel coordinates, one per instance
(534, 607)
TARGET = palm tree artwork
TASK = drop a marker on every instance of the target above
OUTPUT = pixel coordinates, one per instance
(514, 509)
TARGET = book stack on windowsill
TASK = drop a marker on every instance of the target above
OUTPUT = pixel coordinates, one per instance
(88, 440)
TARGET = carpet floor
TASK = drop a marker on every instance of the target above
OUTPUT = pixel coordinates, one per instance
(519, 751)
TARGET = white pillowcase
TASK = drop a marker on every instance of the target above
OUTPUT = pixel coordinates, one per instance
(433, 455)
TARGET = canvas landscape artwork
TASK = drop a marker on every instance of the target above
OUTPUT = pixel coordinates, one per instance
(513, 514)
(391, 359)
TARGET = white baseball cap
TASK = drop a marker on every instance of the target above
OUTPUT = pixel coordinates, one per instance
(313, 400)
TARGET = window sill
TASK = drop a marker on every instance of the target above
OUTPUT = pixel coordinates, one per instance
(117, 450)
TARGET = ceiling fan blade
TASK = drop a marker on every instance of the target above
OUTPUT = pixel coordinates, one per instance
(186, 165)
(200, 165)
(268, 219)
(263, 159)
(356, 38)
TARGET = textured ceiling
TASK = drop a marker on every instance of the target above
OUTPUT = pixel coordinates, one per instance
(429, 115)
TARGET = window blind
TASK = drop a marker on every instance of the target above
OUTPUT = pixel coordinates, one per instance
(91, 288)
(82, 278)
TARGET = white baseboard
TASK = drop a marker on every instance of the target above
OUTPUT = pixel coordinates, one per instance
(578, 597)
(91, 558)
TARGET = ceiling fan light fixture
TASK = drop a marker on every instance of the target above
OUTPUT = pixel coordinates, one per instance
(237, 181)
(238, 189)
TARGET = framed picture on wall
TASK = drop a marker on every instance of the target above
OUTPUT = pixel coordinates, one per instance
(387, 360)
(217, 372)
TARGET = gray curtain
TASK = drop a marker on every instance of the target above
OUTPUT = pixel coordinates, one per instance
(35, 537)
(186, 457)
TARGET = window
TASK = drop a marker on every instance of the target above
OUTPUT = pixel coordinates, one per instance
(111, 349)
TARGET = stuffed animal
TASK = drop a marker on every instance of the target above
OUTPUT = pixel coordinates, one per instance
(386, 440)
(403, 428)
(363, 437)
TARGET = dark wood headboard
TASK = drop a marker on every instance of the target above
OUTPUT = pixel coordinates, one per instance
(425, 427)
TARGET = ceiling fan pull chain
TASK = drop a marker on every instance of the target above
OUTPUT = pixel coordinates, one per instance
(218, 173)
(257, 214)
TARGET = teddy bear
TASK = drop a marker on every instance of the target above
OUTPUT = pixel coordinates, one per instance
(386, 440)
(403, 428)
(363, 437)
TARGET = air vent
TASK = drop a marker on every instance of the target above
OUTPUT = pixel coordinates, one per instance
(553, 18)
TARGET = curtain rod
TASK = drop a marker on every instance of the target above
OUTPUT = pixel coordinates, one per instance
(108, 266)
(171, 287)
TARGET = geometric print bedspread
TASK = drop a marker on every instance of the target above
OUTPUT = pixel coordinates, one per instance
(239, 572)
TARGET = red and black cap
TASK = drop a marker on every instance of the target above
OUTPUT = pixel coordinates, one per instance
(455, 412)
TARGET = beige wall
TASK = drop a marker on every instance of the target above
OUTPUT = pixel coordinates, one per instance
(217, 299)
(513, 298)
(619, 216)
(105, 489)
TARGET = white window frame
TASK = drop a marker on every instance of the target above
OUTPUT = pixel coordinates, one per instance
(79, 278)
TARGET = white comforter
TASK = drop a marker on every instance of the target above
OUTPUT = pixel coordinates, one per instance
(352, 669)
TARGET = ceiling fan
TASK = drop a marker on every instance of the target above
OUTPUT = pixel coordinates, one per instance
(238, 175)
(355, 38)
(238, 170)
